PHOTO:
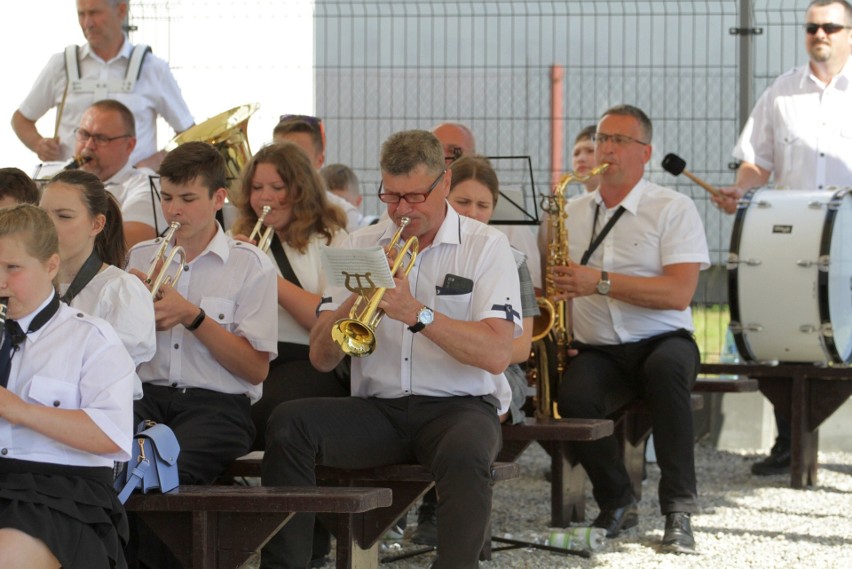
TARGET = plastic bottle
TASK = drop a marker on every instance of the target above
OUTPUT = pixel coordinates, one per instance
(729, 354)
(582, 538)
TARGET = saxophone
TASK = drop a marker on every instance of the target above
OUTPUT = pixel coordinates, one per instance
(552, 326)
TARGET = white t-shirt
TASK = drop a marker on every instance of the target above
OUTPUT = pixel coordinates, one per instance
(139, 201)
(660, 227)
(156, 93)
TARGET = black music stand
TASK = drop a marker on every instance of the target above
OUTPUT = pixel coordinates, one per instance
(518, 203)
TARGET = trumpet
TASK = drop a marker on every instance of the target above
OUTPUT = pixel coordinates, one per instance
(265, 240)
(356, 335)
(163, 277)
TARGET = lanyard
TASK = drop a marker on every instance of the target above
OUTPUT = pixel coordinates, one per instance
(594, 242)
(87, 272)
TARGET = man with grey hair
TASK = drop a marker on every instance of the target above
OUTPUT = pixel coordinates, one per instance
(435, 376)
(637, 250)
(106, 67)
(799, 135)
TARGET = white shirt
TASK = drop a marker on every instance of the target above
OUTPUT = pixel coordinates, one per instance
(138, 199)
(309, 270)
(122, 300)
(801, 131)
(74, 361)
(234, 283)
(156, 93)
(406, 363)
(354, 217)
(660, 227)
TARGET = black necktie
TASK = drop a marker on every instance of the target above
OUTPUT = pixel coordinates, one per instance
(13, 336)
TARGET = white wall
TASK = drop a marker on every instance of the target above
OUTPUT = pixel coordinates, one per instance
(222, 53)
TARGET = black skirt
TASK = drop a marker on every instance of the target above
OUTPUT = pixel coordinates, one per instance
(74, 510)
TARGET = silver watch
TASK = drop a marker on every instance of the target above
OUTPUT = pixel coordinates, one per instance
(604, 284)
(424, 317)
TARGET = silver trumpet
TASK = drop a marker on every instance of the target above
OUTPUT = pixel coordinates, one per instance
(163, 277)
(265, 240)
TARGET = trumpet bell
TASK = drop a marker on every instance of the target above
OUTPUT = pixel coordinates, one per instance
(355, 338)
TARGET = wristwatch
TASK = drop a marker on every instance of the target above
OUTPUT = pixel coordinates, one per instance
(425, 316)
(604, 284)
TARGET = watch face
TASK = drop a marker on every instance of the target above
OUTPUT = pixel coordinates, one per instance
(425, 315)
(603, 287)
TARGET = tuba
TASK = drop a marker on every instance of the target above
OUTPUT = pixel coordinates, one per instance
(227, 132)
(356, 335)
(553, 323)
(163, 277)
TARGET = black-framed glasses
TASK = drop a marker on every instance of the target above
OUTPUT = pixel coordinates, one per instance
(414, 197)
(456, 154)
(85, 136)
(619, 139)
(829, 29)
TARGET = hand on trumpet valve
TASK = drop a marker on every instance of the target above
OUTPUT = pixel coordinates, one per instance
(398, 304)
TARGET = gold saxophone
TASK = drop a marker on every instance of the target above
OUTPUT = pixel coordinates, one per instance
(553, 322)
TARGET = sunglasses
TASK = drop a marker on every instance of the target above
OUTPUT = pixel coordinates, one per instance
(827, 28)
(315, 123)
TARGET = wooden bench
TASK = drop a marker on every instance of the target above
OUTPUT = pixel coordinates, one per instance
(568, 479)
(408, 483)
(806, 394)
(218, 527)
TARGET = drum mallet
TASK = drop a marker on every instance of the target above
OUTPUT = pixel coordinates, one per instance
(674, 165)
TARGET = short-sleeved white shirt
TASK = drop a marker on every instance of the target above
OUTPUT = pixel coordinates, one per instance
(74, 361)
(801, 131)
(234, 283)
(309, 271)
(660, 227)
(139, 202)
(122, 300)
(406, 363)
(156, 93)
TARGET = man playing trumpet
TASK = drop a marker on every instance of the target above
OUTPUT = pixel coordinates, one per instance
(434, 376)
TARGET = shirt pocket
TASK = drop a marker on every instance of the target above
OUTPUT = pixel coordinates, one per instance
(455, 306)
(220, 310)
(52, 392)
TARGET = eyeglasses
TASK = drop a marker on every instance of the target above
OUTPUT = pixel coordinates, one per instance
(619, 139)
(314, 123)
(829, 29)
(456, 154)
(84, 136)
(413, 197)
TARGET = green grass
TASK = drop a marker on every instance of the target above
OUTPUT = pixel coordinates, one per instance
(711, 324)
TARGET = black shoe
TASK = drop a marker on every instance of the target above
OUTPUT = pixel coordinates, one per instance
(778, 462)
(678, 536)
(613, 521)
(427, 525)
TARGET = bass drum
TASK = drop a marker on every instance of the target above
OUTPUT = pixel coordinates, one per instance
(790, 276)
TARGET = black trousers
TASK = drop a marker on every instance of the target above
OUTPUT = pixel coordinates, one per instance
(455, 438)
(602, 379)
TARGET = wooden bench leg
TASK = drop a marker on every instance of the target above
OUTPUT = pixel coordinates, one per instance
(350, 555)
(567, 486)
(804, 442)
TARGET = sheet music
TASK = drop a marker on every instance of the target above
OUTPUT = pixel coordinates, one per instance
(370, 264)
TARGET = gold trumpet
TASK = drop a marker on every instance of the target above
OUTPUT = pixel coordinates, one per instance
(356, 335)
(163, 277)
(553, 321)
(265, 240)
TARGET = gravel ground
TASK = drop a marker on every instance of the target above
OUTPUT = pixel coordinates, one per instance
(746, 521)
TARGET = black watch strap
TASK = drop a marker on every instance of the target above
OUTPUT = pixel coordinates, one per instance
(198, 320)
(417, 327)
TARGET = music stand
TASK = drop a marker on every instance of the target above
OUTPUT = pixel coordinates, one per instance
(518, 204)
